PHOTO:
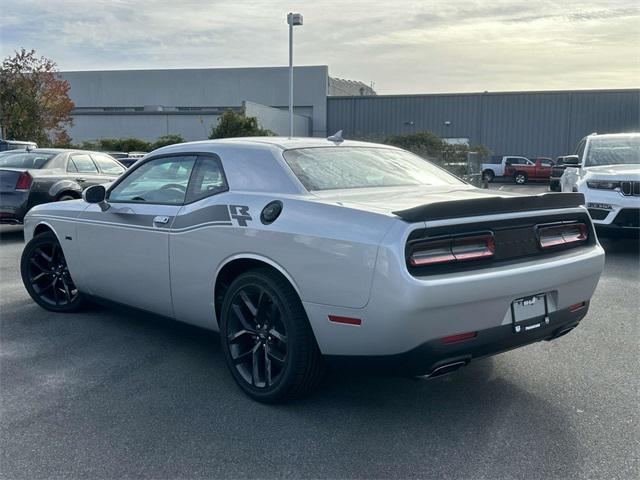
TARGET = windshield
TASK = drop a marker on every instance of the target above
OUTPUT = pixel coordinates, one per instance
(613, 151)
(25, 160)
(328, 168)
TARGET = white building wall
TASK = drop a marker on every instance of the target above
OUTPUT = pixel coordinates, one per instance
(166, 91)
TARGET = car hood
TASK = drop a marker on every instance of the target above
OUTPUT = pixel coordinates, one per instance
(614, 172)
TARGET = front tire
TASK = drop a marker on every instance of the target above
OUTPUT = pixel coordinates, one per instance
(46, 277)
(266, 338)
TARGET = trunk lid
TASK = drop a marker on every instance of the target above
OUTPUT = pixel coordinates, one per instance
(9, 178)
(423, 203)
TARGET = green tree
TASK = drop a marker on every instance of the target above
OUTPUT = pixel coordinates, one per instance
(237, 124)
(34, 100)
(123, 145)
(165, 140)
(425, 144)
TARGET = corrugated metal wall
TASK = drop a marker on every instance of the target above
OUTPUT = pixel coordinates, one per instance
(519, 123)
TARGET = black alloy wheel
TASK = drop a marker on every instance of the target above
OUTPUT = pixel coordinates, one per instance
(256, 336)
(268, 343)
(46, 276)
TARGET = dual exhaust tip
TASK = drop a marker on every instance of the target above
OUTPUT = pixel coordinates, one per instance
(455, 365)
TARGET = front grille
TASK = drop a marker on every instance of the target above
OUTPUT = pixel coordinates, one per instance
(515, 240)
(598, 214)
(630, 188)
(628, 217)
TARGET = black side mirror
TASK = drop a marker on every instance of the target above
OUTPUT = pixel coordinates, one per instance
(572, 160)
(96, 194)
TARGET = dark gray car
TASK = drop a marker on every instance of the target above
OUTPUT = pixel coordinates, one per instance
(43, 175)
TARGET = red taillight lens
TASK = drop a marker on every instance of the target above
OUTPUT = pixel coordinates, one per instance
(460, 337)
(577, 306)
(568, 234)
(456, 249)
(24, 181)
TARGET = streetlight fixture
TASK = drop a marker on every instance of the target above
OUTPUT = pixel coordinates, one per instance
(293, 19)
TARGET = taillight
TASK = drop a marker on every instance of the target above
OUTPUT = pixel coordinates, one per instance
(24, 181)
(566, 234)
(455, 249)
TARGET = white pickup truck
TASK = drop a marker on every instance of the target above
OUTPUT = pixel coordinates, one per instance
(496, 167)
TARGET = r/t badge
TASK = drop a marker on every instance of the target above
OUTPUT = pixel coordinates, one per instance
(240, 213)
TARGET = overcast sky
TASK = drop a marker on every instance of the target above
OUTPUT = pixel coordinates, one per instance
(403, 46)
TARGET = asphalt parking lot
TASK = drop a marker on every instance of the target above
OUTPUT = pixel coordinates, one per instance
(112, 393)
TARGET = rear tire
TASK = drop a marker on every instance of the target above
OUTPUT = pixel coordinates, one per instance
(488, 175)
(520, 178)
(66, 196)
(266, 338)
(46, 277)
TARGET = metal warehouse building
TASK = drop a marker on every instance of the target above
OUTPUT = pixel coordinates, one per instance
(147, 104)
(518, 123)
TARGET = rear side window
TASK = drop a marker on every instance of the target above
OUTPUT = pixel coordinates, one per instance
(107, 164)
(82, 163)
(25, 160)
(207, 179)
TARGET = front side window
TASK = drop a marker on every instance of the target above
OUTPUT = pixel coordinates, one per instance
(328, 168)
(207, 179)
(580, 149)
(163, 180)
(83, 164)
(622, 150)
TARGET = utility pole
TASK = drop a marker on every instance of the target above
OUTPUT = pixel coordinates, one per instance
(293, 19)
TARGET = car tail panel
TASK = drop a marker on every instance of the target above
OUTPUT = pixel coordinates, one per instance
(495, 242)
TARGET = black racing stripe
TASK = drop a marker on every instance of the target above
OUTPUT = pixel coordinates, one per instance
(213, 213)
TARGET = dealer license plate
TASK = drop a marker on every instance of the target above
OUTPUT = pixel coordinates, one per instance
(529, 313)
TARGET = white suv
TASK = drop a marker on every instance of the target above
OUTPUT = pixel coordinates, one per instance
(608, 174)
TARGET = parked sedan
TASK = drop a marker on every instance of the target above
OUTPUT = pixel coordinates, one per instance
(29, 178)
(310, 252)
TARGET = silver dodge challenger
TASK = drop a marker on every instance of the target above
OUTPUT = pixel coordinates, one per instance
(314, 253)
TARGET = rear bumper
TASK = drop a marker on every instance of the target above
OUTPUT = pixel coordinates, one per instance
(405, 312)
(13, 207)
(434, 357)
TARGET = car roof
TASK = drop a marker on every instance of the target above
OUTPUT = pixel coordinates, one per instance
(60, 150)
(614, 135)
(286, 143)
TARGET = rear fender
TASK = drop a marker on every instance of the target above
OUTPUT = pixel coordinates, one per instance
(64, 186)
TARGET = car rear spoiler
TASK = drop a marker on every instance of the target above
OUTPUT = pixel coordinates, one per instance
(474, 207)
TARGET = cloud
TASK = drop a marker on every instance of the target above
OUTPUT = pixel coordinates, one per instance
(404, 46)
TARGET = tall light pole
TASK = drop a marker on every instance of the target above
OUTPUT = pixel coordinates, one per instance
(293, 19)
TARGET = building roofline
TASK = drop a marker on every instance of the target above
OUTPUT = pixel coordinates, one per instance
(136, 70)
(487, 93)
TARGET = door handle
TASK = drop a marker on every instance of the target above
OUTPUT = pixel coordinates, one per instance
(161, 219)
(81, 180)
